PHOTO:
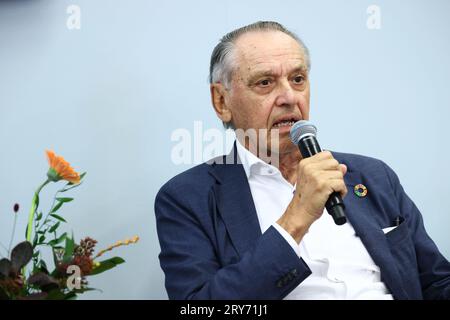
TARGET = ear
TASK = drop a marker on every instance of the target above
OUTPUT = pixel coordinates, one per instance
(218, 99)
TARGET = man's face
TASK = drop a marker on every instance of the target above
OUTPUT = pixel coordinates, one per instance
(270, 85)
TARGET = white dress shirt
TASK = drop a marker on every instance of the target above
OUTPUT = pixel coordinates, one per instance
(340, 264)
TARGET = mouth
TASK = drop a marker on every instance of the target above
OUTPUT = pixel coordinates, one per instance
(285, 122)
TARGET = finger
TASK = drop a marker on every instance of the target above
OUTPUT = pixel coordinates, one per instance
(324, 155)
(331, 174)
(338, 185)
(343, 168)
(325, 164)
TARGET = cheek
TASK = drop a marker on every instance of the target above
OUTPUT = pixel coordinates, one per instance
(251, 111)
(304, 105)
(240, 106)
(262, 108)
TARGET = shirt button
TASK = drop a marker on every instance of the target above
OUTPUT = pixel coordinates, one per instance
(334, 279)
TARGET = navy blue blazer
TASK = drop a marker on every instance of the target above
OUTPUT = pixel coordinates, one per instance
(212, 246)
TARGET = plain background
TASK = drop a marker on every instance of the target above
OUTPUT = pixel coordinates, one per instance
(108, 97)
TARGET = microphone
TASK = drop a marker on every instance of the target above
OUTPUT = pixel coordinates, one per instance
(303, 134)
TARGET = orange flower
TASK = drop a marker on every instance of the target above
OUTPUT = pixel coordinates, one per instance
(60, 169)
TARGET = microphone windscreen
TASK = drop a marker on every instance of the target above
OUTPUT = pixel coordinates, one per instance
(301, 129)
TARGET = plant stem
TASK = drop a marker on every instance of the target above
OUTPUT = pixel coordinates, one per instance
(6, 250)
(13, 233)
(33, 210)
(45, 221)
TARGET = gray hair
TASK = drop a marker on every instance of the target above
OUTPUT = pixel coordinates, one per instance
(221, 65)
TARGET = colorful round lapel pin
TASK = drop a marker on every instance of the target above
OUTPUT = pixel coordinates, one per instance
(360, 190)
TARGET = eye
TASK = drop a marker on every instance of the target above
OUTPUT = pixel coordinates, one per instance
(299, 79)
(264, 83)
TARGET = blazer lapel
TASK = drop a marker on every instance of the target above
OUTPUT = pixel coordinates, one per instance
(360, 213)
(235, 203)
(236, 207)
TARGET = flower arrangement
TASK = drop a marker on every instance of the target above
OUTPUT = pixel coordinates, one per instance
(72, 262)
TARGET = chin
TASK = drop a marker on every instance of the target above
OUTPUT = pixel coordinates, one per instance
(284, 146)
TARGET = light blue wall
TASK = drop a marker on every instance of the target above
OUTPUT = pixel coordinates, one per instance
(108, 96)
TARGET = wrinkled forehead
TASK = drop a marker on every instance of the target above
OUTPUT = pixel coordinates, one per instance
(267, 50)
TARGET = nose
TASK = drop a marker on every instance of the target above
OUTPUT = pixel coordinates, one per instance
(285, 94)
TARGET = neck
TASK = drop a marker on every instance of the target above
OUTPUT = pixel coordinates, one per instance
(288, 161)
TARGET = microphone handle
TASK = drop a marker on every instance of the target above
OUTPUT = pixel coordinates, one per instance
(309, 146)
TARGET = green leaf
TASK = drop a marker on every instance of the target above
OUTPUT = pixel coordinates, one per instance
(68, 250)
(54, 227)
(36, 200)
(81, 178)
(56, 241)
(39, 216)
(106, 265)
(71, 186)
(55, 208)
(35, 240)
(58, 217)
(43, 265)
(55, 261)
(64, 199)
(41, 239)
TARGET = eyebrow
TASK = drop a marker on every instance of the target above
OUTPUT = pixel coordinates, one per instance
(270, 73)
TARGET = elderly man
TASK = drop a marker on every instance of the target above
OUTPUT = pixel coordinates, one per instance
(248, 229)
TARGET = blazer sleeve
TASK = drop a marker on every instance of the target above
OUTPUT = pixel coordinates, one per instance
(434, 268)
(269, 270)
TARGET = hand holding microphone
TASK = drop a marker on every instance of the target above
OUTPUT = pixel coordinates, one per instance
(303, 134)
(320, 184)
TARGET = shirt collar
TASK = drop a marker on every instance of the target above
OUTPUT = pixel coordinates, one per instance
(252, 164)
